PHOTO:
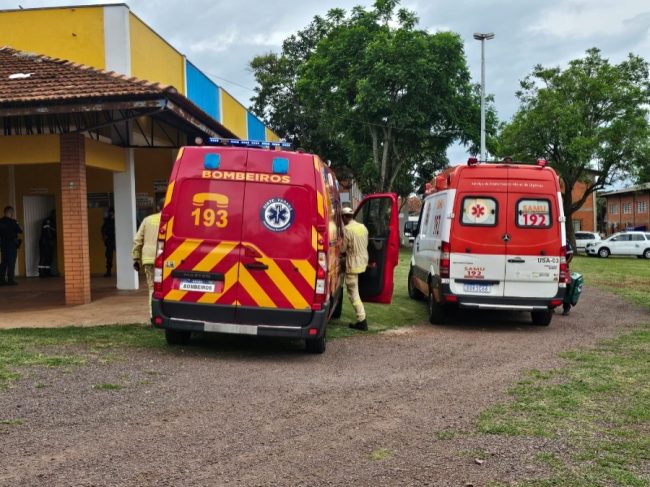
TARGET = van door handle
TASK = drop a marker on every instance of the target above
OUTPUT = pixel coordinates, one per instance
(256, 266)
(417, 246)
(518, 260)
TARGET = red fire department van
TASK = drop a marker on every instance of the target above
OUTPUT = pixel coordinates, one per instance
(491, 237)
(249, 243)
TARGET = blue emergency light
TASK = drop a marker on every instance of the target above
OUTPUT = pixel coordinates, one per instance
(280, 165)
(211, 161)
(248, 143)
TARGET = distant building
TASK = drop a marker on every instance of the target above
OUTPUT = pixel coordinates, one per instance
(627, 209)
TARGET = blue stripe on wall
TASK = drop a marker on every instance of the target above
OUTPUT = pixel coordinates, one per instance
(255, 128)
(202, 91)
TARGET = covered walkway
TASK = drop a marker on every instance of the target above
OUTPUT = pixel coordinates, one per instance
(37, 303)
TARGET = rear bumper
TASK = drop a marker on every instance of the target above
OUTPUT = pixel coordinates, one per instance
(239, 321)
(503, 303)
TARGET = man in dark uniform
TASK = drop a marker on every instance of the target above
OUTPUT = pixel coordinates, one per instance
(47, 245)
(108, 235)
(9, 231)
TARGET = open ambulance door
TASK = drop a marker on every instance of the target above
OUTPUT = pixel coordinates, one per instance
(379, 213)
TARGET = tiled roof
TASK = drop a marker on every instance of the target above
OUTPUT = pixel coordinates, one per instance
(27, 78)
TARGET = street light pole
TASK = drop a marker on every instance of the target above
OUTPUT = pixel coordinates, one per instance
(483, 37)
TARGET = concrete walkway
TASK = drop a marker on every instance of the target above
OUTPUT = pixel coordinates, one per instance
(36, 303)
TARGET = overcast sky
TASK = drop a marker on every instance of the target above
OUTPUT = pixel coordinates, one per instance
(221, 37)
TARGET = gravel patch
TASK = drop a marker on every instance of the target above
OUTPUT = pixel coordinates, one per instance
(388, 409)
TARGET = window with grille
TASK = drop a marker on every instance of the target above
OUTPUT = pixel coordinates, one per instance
(627, 208)
(641, 206)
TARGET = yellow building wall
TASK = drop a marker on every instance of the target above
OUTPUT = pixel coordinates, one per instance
(29, 149)
(233, 115)
(152, 58)
(271, 136)
(105, 156)
(4, 187)
(76, 34)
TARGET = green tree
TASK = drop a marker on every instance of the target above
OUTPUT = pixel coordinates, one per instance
(368, 90)
(590, 121)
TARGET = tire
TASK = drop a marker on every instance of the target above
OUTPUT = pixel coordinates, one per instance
(338, 307)
(604, 252)
(316, 345)
(436, 311)
(646, 253)
(177, 337)
(542, 318)
(414, 293)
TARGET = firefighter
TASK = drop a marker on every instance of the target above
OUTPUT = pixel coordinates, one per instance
(46, 245)
(144, 247)
(108, 236)
(355, 247)
(9, 243)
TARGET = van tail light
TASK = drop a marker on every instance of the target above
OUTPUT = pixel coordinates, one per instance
(445, 253)
(564, 269)
(321, 279)
(158, 270)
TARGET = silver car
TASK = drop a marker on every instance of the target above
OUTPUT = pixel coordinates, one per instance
(623, 243)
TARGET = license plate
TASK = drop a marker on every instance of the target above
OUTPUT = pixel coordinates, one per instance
(199, 286)
(477, 288)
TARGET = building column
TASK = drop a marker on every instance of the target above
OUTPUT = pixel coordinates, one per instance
(124, 196)
(74, 208)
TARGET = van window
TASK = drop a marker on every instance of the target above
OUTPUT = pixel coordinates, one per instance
(534, 213)
(479, 211)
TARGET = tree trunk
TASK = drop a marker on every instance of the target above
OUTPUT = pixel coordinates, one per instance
(568, 213)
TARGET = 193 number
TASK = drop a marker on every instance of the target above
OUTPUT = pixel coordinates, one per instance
(210, 218)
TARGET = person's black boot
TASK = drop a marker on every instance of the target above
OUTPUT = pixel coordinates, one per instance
(360, 325)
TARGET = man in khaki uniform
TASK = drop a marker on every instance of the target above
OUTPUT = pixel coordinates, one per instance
(355, 247)
(144, 248)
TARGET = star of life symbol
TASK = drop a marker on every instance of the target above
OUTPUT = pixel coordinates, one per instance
(478, 211)
(277, 214)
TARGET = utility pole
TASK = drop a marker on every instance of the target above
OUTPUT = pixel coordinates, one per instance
(483, 37)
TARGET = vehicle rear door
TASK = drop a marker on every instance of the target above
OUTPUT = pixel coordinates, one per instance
(379, 213)
(278, 262)
(479, 233)
(202, 255)
(534, 236)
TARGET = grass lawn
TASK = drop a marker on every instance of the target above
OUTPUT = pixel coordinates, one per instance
(22, 347)
(599, 404)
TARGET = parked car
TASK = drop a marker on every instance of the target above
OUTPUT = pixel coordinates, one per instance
(409, 228)
(622, 243)
(584, 238)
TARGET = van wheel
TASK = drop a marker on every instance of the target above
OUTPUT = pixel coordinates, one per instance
(315, 345)
(177, 337)
(436, 310)
(542, 318)
(338, 307)
(604, 252)
(414, 293)
(646, 253)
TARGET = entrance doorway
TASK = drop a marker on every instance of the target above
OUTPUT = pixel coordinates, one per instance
(35, 210)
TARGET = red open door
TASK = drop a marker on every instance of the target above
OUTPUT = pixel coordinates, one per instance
(379, 213)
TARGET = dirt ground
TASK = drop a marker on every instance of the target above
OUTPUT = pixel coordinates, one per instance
(373, 410)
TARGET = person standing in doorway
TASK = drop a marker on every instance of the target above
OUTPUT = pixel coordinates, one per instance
(355, 247)
(108, 235)
(47, 245)
(144, 247)
(9, 243)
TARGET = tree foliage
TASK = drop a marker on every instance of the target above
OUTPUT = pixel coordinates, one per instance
(590, 121)
(370, 91)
